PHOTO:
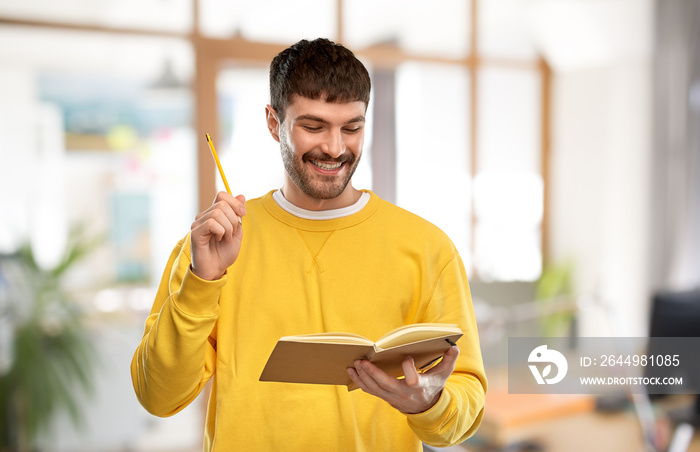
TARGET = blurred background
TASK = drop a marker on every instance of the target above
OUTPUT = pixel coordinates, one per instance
(557, 142)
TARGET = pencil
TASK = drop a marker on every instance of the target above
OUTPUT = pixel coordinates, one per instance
(221, 170)
(218, 164)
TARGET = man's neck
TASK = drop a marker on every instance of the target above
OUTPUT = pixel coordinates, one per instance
(300, 199)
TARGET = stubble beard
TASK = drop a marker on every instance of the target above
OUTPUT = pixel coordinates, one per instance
(313, 184)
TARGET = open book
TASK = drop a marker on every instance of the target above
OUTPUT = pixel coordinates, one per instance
(322, 358)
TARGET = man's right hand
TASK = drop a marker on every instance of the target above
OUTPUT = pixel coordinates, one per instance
(216, 235)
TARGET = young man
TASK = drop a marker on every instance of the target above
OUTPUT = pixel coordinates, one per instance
(316, 256)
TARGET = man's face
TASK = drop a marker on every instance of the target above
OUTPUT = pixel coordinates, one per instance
(321, 144)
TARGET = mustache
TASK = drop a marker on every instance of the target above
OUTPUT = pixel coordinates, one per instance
(323, 157)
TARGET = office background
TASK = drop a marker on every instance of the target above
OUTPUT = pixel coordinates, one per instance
(555, 141)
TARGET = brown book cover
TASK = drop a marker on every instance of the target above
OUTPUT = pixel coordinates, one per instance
(322, 358)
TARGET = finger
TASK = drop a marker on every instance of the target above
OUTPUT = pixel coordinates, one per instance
(238, 230)
(213, 206)
(447, 364)
(208, 228)
(363, 379)
(236, 203)
(242, 210)
(356, 378)
(378, 381)
(230, 219)
(365, 383)
(222, 212)
(225, 218)
(409, 371)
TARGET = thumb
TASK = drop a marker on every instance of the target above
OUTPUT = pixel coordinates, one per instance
(447, 364)
(409, 371)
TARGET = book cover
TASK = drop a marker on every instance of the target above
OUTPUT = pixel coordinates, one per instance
(323, 358)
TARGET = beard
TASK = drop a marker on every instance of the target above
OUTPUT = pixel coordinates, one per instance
(313, 184)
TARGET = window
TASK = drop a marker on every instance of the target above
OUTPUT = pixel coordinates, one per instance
(468, 114)
(112, 113)
(433, 167)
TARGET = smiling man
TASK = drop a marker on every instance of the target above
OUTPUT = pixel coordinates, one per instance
(317, 255)
(321, 144)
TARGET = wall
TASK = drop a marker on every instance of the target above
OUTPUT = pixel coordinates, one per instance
(601, 164)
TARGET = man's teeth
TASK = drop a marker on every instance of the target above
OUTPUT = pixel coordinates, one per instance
(327, 166)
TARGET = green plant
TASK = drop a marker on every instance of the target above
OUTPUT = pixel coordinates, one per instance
(554, 292)
(50, 348)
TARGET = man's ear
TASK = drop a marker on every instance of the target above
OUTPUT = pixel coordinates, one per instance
(273, 122)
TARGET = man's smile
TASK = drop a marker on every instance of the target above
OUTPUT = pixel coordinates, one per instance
(326, 166)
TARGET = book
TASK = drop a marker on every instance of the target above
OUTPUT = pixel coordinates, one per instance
(324, 357)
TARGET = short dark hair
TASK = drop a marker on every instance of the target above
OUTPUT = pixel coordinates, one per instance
(315, 69)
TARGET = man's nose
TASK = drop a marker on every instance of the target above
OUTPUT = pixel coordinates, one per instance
(334, 145)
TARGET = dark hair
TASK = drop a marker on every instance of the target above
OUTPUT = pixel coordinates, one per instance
(315, 69)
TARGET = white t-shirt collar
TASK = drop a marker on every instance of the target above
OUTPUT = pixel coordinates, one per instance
(320, 214)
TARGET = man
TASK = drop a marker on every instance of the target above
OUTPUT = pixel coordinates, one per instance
(316, 256)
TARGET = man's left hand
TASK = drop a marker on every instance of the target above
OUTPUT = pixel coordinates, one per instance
(415, 393)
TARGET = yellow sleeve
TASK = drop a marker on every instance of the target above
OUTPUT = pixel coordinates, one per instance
(177, 354)
(458, 413)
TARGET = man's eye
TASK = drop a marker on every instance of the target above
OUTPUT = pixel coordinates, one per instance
(353, 130)
(312, 128)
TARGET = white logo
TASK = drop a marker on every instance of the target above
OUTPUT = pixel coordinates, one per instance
(542, 355)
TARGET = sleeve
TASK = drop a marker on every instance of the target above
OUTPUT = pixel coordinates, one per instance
(177, 354)
(458, 413)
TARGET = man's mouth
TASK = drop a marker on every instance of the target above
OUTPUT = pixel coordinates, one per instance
(326, 166)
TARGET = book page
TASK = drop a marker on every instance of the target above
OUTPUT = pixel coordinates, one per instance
(415, 333)
(329, 338)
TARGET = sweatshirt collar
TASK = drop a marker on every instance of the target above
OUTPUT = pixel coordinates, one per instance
(332, 214)
(330, 219)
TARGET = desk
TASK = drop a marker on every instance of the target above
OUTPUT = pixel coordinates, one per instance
(560, 423)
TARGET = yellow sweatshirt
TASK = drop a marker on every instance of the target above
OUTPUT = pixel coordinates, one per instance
(366, 273)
